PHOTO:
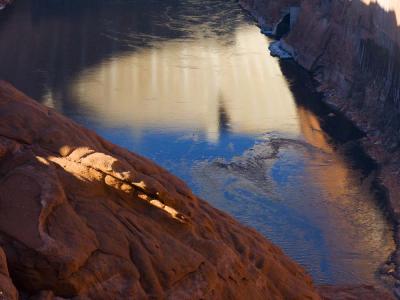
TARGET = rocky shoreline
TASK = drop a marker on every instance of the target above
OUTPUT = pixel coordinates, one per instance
(352, 50)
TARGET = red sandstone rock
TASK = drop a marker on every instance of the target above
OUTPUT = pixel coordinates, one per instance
(81, 217)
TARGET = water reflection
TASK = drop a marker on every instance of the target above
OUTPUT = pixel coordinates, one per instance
(66, 37)
(190, 84)
(304, 196)
(186, 85)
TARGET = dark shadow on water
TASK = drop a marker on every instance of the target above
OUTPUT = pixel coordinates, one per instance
(340, 131)
(223, 118)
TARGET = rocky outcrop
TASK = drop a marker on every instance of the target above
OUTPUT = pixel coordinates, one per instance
(81, 217)
(353, 50)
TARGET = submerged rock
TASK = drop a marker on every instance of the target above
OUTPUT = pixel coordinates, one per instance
(81, 217)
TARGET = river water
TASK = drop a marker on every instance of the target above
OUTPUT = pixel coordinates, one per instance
(191, 85)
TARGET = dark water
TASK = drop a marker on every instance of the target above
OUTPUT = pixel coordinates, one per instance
(190, 84)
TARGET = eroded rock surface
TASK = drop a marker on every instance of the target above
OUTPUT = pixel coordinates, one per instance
(81, 217)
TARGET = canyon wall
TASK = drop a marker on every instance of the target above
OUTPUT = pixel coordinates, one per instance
(352, 48)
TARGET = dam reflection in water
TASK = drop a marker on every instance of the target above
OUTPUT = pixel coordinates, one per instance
(191, 85)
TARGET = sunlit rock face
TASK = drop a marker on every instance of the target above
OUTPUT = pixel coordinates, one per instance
(389, 6)
(233, 85)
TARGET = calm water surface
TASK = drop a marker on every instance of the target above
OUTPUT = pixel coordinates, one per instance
(191, 85)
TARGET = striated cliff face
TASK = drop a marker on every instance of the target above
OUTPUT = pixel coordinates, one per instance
(352, 48)
(80, 217)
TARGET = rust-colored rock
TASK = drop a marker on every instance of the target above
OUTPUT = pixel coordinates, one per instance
(81, 217)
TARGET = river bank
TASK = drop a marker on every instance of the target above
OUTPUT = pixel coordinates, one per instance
(356, 64)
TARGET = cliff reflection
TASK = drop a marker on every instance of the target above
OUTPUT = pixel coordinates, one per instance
(185, 86)
(311, 129)
(330, 172)
(66, 37)
(306, 197)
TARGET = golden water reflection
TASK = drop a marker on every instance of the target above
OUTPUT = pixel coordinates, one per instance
(341, 203)
(193, 85)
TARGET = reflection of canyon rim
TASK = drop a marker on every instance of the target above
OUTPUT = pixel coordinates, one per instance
(160, 87)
